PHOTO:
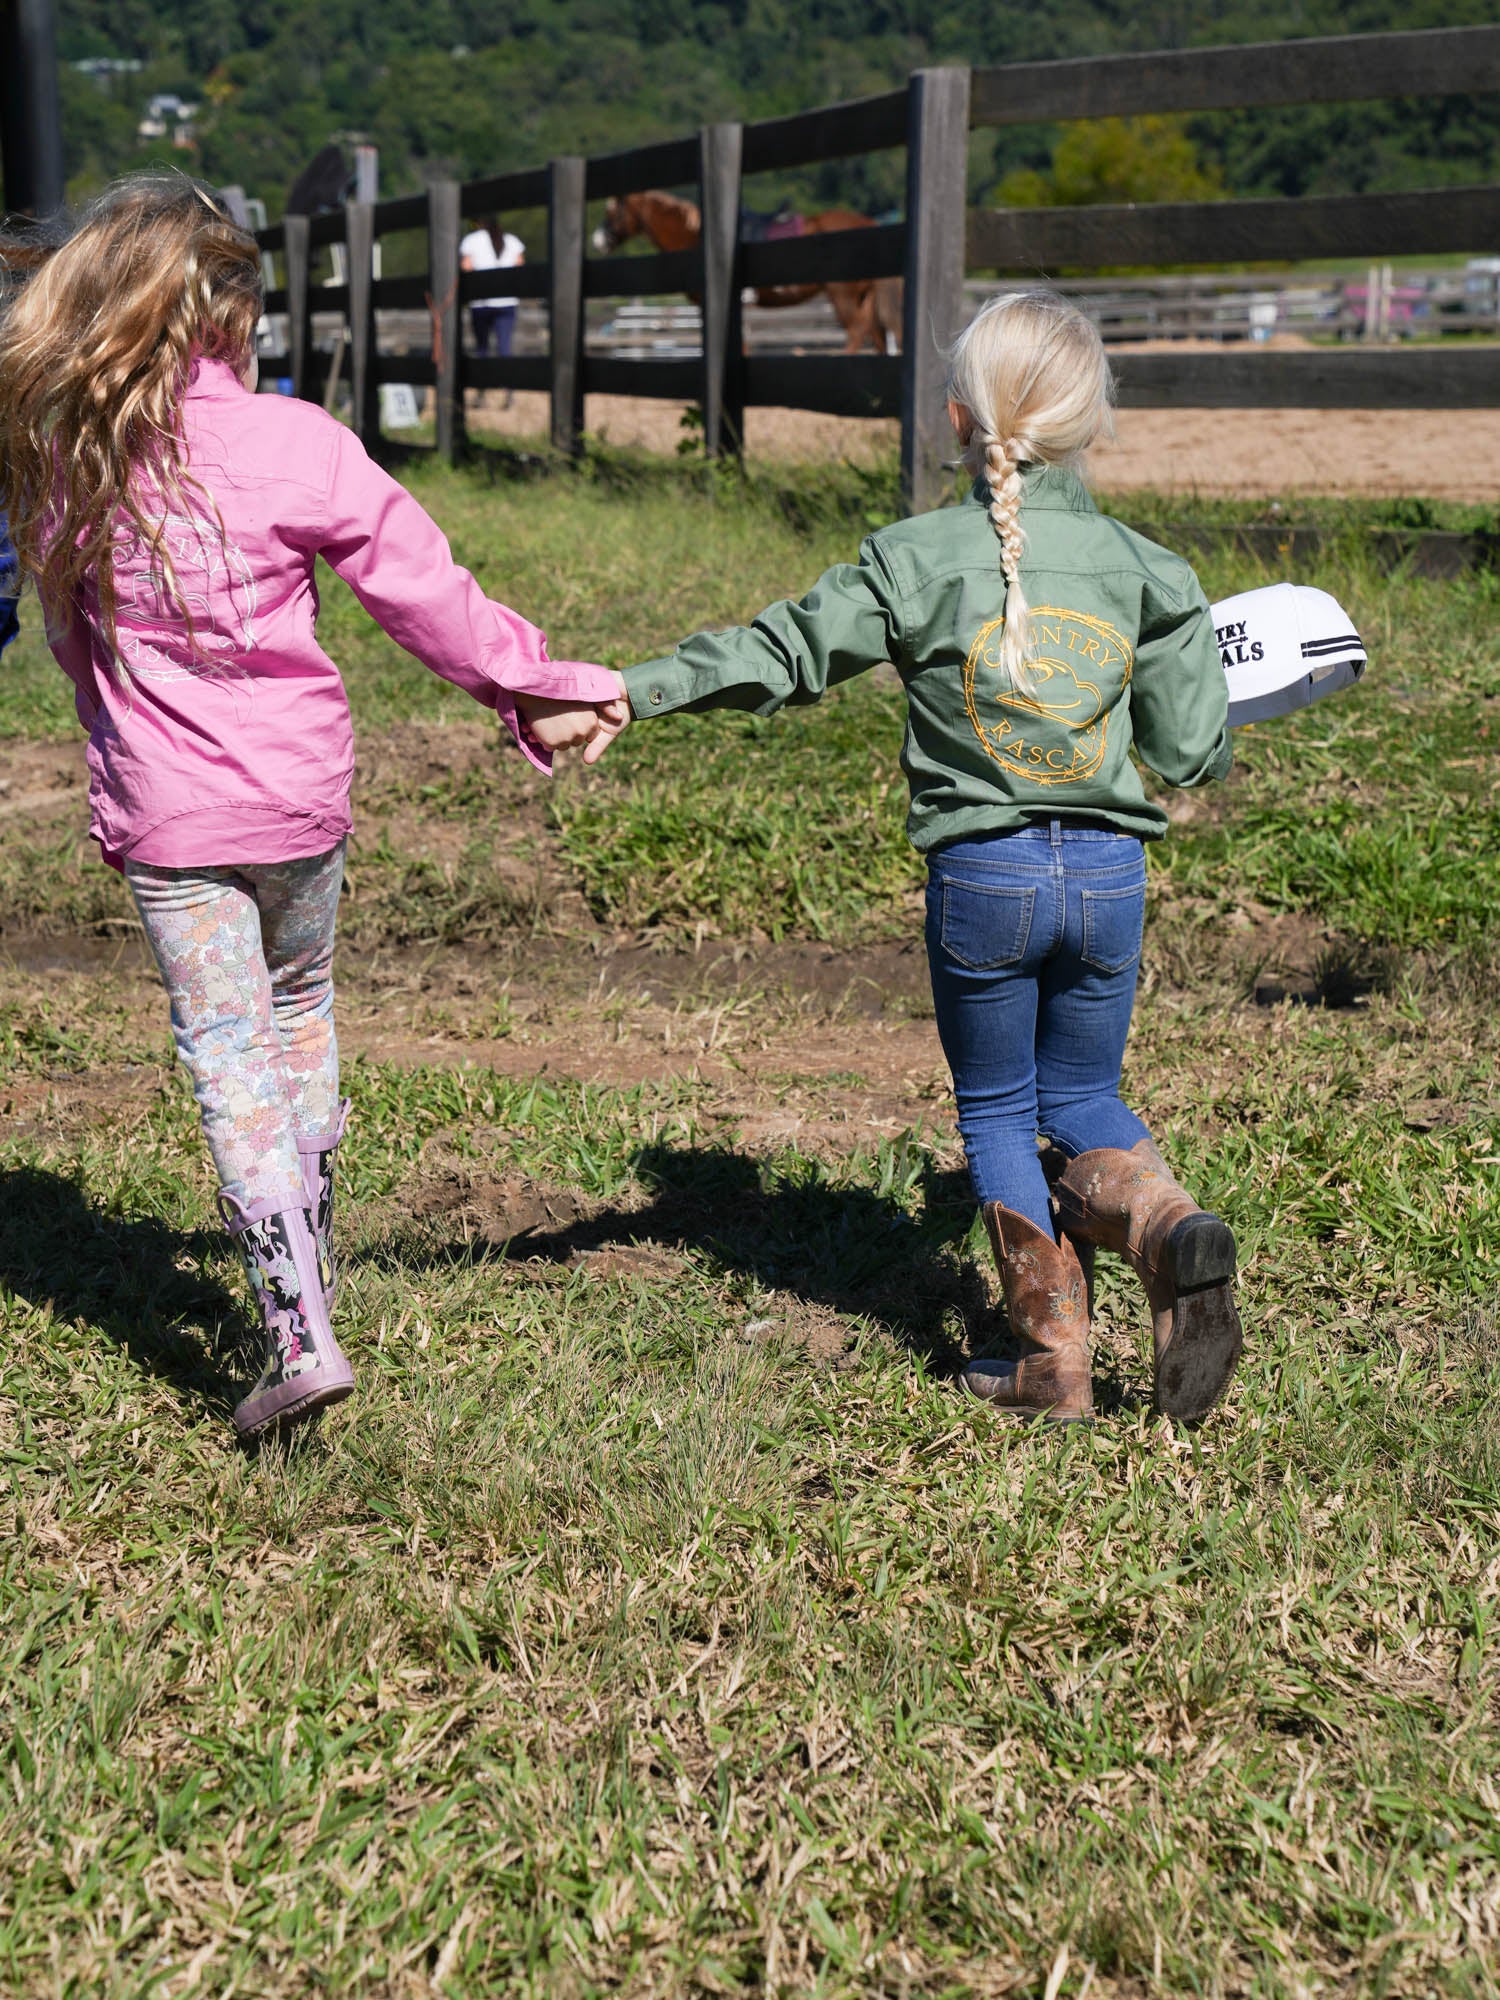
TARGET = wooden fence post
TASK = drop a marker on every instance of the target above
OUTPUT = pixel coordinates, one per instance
(937, 152)
(299, 318)
(359, 225)
(31, 129)
(444, 228)
(723, 323)
(566, 221)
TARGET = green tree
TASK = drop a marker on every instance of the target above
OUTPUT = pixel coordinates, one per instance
(476, 86)
(1116, 160)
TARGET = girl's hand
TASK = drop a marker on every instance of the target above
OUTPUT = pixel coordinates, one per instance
(613, 717)
(559, 725)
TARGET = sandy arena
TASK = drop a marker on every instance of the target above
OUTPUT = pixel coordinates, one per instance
(1255, 454)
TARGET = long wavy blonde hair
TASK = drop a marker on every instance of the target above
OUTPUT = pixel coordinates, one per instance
(1032, 382)
(96, 349)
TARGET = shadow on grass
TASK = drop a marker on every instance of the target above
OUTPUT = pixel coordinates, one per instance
(122, 1275)
(849, 1249)
(852, 1250)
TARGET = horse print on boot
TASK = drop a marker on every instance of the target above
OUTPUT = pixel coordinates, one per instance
(304, 1366)
(272, 1265)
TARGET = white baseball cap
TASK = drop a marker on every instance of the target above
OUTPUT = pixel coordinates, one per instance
(1284, 647)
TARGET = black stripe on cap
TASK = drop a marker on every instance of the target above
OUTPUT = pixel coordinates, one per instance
(1350, 643)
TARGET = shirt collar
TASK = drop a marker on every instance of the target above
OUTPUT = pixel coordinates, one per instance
(214, 378)
(1055, 487)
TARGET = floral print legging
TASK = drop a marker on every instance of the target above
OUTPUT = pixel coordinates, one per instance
(246, 954)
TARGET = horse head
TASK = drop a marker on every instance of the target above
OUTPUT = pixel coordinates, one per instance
(669, 221)
(620, 221)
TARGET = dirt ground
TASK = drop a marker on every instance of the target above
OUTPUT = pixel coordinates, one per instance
(1254, 454)
(792, 1042)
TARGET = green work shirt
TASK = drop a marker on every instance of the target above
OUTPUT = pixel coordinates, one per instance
(1125, 657)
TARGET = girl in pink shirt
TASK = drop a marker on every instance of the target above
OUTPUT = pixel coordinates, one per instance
(171, 520)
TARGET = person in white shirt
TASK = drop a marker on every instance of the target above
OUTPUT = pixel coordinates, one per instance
(489, 247)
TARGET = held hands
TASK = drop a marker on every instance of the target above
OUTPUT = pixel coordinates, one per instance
(574, 725)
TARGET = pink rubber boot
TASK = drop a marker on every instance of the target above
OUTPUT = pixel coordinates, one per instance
(305, 1367)
(317, 1152)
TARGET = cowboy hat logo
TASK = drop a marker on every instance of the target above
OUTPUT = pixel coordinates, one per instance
(1054, 730)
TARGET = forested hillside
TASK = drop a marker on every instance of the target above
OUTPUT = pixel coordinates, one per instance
(473, 86)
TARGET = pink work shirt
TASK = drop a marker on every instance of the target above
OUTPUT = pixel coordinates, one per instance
(239, 748)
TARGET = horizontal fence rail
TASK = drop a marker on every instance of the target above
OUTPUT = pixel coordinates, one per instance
(1334, 69)
(841, 257)
(921, 261)
(841, 385)
(642, 277)
(834, 132)
(1238, 232)
(1324, 379)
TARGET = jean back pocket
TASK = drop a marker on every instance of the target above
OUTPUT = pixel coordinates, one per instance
(1112, 923)
(986, 927)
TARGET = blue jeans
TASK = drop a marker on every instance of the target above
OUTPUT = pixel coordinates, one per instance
(1034, 940)
(493, 324)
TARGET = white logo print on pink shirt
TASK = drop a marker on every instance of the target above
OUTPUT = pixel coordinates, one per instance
(215, 583)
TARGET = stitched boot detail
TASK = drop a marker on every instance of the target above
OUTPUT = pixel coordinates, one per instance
(1046, 1304)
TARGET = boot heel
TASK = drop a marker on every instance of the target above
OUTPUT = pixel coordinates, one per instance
(1199, 1252)
(335, 1383)
(1198, 1362)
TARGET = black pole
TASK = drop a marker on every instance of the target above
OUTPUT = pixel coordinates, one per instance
(31, 152)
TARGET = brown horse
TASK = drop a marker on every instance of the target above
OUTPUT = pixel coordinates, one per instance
(869, 309)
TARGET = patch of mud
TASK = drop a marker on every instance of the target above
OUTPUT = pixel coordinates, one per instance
(1267, 957)
(548, 977)
(817, 1330)
(450, 812)
(27, 954)
(38, 1104)
(416, 757)
(492, 1212)
(43, 781)
(776, 1064)
(787, 1045)
(528, 1221)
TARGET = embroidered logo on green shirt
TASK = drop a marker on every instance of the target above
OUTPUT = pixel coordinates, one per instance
(1053, 733)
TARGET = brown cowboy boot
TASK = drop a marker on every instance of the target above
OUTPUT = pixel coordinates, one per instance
(1044, 1301)
(1054, 1164)
(1130, 1203)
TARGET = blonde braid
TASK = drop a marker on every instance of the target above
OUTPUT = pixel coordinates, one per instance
(1029, 385)
(1002, 471)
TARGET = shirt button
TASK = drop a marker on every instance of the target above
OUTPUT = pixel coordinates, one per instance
(656, 697)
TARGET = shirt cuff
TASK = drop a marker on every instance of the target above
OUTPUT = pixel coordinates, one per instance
(576, 680)
(515, 658)
(653, 687)
(512, 719)
(556, 680)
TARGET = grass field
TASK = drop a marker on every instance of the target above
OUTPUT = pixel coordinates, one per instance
(657, 1619)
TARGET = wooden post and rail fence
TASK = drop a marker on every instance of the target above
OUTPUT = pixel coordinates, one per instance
(940, 241)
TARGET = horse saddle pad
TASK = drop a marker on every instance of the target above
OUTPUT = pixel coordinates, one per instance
(1284, 647)
(758, 227)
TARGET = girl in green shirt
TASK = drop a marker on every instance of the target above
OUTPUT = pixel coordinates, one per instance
(1039, 644)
